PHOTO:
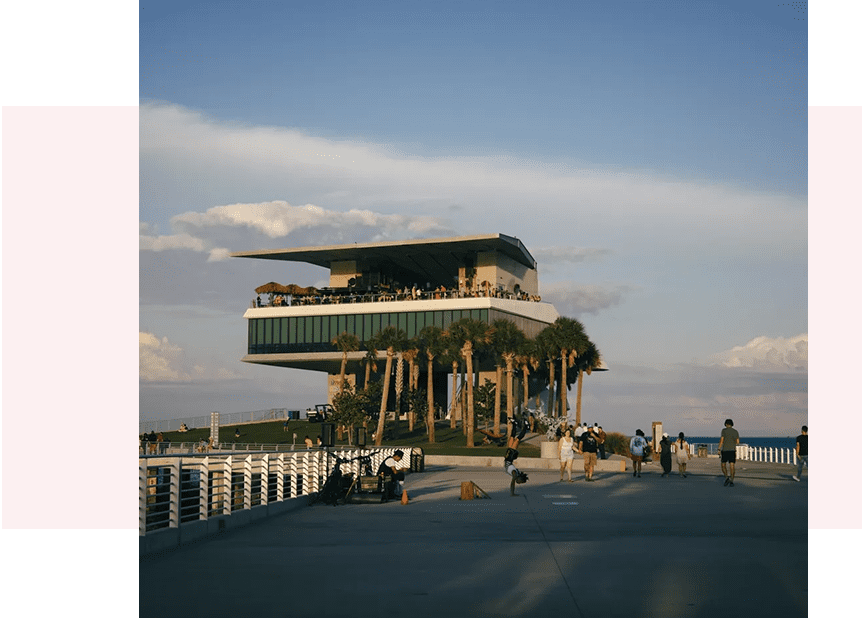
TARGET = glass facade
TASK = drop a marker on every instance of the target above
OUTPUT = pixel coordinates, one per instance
(315, 333)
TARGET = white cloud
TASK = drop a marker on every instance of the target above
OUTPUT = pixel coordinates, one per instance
(159, 360)
(573, 300)
(278, 219)
(552, 255)
(765, 353)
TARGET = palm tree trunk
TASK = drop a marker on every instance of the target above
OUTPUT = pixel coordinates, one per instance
(455, 394)
(430, 387)
(379, 436)
(497, 389)
(550, 389)
(469, 420)
(342, 372)
(578, 399)
(563, 358)
(368, 373)
(510, 400)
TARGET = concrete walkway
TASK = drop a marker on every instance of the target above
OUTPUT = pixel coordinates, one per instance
(619, 546)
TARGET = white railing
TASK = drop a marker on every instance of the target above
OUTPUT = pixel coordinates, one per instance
(183, 488)
(767, 455)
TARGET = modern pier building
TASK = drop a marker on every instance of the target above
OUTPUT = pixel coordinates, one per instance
(407, 284)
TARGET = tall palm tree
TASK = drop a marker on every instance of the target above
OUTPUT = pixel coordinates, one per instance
(572, 342)
(410, 354)
(547, 349)
(473, 335)
(507, 341)
(451, 355)
(390, 338)
(346, 342)
(370, 362)
(589, 360)
(432, 344)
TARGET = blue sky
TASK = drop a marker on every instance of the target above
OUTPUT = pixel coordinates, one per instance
(651, 155)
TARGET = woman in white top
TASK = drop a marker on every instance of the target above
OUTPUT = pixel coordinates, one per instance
(564, 452)
(683, 454)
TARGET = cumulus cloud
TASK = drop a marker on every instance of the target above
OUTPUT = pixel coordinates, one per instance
(765, 353)
(573, 300)
(278, 219)
(159, 360)
(357, 178)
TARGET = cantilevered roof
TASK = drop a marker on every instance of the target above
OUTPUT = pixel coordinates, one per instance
(433, 256)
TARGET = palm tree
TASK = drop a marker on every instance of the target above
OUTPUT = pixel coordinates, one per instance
(589, 360)
(507, 341)
(473, 335)
(432, 344)
(390, 338)
(572, 342)
(346, 342)
(450, 355)
(547, 348)
(370, 362)
(410, 355)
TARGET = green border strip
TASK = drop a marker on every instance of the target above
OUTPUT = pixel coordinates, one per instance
(56, 53)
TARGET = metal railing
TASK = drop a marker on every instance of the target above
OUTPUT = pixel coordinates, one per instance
(225, 418)
(176, 489)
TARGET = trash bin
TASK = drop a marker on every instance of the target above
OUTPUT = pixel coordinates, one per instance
(702, 450)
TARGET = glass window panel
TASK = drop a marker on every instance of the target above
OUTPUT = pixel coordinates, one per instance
(475, 314)
(351, 324)
(367, 327)
(325, 330)
(438, 319)
(292, 330)
(260, 328)
(342, 324)
(251, 334)
(411, 324)
(301, 330)
(283, 331)
(403, 322)
(308, 329)
(447, 318)
(376, 324)
(316, 329)
(334, 326)
(484, 316)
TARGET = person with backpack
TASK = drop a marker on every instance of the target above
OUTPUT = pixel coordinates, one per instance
(637, 447)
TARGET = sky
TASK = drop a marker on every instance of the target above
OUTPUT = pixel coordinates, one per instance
(651, 156)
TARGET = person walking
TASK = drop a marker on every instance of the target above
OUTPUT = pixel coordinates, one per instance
(636, 452)
(565, 452)
(588, 448)
(683, 454)
(601, 436)
(728, 442)
(802, 450)
(665, 455)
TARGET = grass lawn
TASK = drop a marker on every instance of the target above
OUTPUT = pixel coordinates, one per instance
(447, 441)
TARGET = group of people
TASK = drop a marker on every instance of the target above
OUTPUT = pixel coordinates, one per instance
(640, 449)
(586, 440)
(151, 443)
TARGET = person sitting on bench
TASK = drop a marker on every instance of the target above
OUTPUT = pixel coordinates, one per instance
(389, 468)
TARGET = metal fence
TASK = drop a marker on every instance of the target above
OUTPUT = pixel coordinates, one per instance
(225, 418)
(177, 489)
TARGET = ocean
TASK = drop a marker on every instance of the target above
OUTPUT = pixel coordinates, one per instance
(787, 442)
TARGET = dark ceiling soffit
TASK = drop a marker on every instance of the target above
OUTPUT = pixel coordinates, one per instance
(390, 251)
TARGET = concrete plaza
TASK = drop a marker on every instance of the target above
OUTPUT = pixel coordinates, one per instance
(619, 546)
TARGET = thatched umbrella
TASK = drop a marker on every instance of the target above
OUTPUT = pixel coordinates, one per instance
(271, 288)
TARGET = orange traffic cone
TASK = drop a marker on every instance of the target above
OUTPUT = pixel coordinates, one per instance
(404, 496)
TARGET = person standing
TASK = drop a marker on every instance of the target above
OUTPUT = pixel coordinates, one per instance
(683, 454)
(565, 452)
(600, 435)
(802, 450)
(728, 442)
(636, 452)
(588, 448)
(665, 455)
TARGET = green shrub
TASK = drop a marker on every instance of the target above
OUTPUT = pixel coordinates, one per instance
(616, 443)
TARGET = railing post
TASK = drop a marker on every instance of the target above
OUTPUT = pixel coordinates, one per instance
(794, 457)
(280, 478)
(265, 479)
(204, 472)
(174, 500)
(247, 482)
(228, 482)
(142, 497)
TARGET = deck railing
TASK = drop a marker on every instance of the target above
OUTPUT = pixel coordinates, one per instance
(177, 489)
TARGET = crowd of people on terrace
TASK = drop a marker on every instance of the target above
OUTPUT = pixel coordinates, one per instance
(384, 294)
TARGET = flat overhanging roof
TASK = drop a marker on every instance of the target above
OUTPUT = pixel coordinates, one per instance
(428, 256)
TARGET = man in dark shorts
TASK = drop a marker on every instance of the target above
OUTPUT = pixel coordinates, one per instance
(802, 450)
(588, 445)
(728, 442)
